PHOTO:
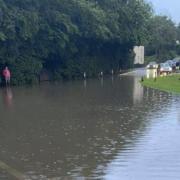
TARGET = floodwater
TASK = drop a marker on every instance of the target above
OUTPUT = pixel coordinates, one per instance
(108, 129)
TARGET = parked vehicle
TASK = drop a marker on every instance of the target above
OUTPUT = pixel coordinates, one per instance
(178, 65)
(172, 63)
(152, 65)
(165, 68)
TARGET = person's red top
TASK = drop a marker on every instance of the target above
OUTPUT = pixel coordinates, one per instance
(6, 73)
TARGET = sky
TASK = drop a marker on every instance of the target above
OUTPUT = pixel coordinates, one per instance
(171, 8)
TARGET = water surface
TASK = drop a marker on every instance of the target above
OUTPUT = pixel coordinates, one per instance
(109, 128)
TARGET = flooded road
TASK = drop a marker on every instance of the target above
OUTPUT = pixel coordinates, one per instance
(109, 128)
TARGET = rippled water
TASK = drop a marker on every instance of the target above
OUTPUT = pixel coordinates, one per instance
(109, 128)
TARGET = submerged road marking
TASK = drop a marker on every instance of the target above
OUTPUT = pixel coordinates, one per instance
(13, 172)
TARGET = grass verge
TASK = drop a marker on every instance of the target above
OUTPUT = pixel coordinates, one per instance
(169, 83)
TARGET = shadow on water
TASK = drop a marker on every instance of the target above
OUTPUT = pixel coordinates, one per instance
(75, 129)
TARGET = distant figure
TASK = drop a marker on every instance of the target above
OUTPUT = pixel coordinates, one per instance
(7, 75)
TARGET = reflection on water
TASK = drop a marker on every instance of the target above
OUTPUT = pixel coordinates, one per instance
(112, 79)
(74, 131)
(154, 155)
(102, 81)
(138, 91)
(7, 96)
(85, 83)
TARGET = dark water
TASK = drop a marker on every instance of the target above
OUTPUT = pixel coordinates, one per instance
(94, 129)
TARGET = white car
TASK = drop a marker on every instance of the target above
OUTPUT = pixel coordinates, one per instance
(152, 65)
(165, 68)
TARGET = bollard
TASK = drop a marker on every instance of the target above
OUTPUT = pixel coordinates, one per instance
(101, 74)
(112, 71)
(84, 75)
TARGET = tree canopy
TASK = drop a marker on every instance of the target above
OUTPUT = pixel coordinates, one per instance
(163, 36)
(70, 37)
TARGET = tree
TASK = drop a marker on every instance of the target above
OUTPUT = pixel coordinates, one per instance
(162, 33)
(70, 37)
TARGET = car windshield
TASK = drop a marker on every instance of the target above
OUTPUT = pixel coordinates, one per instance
(164, 65)
(152, 63)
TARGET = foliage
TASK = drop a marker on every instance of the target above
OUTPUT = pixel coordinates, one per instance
(162, 38)
(69, 37)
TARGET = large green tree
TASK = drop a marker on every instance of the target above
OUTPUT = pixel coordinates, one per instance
(162, 38)
(70, 37)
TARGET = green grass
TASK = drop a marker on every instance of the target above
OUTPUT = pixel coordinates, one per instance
(169, 83)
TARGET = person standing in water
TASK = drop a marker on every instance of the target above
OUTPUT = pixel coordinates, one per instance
(7, 75)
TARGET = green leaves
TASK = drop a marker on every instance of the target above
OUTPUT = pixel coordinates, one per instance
(70, 37)
(27, 24)
(25, 69)
(2, 36)
(162, 38)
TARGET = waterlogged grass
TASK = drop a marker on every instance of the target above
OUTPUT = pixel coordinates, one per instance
(169, 83)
